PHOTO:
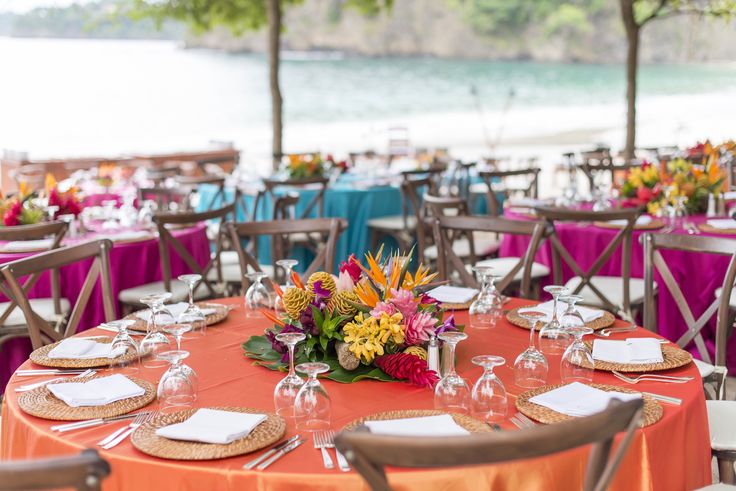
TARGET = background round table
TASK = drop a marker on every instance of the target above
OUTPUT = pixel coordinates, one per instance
(674, 453)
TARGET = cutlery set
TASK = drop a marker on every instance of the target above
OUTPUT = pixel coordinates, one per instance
(121, 434)
(521, 421)
(27, 387)
(275, 453)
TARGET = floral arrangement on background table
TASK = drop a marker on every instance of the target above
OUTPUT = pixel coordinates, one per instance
(20, 209)
(68, 202)
(372, 321)
(305, 166)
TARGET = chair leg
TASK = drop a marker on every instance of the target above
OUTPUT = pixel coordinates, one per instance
(725, 470)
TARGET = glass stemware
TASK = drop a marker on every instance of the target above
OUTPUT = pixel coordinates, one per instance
(126, 350)
(178, 386)
(531, 367)
(286, 390)
(312, 405)
(553, 338)
(571, 317)
(577, 364)
(257, 296)
(288, 266)
(155, 341)
(489, 401)
(110, 222)
(486, 308)
(193, 314)
(451, 393)
(178, 330)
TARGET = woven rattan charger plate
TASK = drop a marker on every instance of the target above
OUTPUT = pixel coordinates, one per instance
(712, 230)
(673, 357)
(471, 424)
(42, 403)
(146, 440)
(602, 322)
(653, 225)
(652, 409)
(219, 316)
(40, 357)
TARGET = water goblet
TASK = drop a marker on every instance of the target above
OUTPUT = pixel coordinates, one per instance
(577, 364)
(312, 405)
(193, 314)
(177, 330)
(288, 266)
(553, 338)
(257, 296)
(451, 393)
(486, 308)
(489, 402)
(287, 389)
(531, 367)
(571, 317)
(177, 387)
(154, 341)
(124, 347)
(110, 223)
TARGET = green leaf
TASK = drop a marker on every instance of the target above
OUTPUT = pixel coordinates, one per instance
(323, 342)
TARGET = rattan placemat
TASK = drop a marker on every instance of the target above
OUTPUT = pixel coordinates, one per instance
(40, 357)
(42, 403)
(219, 316)
(673, 356)
(653, 225)
(713, 230)
(471, 424)
(146, 440)
(652, 409)
(602, 322)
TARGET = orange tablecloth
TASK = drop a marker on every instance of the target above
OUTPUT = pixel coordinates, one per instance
(673, 454)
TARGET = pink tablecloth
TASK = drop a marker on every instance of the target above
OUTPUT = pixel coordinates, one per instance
(131, 264)
(698, 274)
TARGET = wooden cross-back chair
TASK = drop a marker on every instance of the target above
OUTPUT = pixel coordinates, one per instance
(522, 270)
(190, 184)
(39, 329)
(612, 293)
(318, 184)
(163, 197)
(83, 472)
(278, 231)
(369, 453)
(159, 174)
(494, 181)
(655, 262)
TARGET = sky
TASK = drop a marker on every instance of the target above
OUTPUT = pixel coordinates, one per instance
(26, 5)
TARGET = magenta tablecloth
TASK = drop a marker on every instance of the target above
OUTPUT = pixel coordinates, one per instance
(131, 264)
(698, 274)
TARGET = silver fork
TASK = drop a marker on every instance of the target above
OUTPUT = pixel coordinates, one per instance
(319, 444)
(116, 433)
(329, 437)
(520, 423)
(651, 378)
(138, 421)
(524, 419)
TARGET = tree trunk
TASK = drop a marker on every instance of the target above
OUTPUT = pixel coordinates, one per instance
(632, 64)
(274, 55)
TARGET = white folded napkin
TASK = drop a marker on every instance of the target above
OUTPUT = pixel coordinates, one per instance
(589, 315)
(83, 349)
(722, 223)
(642, 220)
(96, 392)
(176, 310)
(213, 426)
(631, 351)
(452, 294)
(27, 245)
(442, 425)
(130, 235)
(579, 400)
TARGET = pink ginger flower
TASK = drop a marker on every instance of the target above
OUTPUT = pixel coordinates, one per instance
(344, 282)
(418, 328)
(404, 301)
(382, 307)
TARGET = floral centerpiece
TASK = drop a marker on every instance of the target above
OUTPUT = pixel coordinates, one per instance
(68, 202)
(19, 209)
(371, 321)
(305, 166)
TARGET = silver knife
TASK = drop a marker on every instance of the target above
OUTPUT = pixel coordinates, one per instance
(272, 451)
(661, 398)
(91, 422)
(280, 454)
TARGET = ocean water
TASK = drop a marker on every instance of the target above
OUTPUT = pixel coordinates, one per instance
(85, 97)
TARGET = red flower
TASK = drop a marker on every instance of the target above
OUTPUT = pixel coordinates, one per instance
(352, 268)
(12, 216)
(403, 366)
(645, 194)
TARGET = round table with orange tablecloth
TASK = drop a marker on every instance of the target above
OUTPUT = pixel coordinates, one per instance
(672, 454)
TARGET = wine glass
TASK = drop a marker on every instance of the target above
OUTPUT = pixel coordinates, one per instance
(571, 317)
(154, 341)
(577, 364)
(486, 308)
(489, 402)
(177, 330)
(124, 347)
(288, 266)
(312, 405)
(110, 223)
(193, 314)
(177, 387)
(287, 389)
(145, 214)
(531, 367)
(451, 393)
(257, 296)
(553, 338)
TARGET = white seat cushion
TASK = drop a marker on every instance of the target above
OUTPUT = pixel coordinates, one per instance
(231, 272)
(44, 307)
(395, 222)
(179, 290)
(705, 369)
(229, 257)
(503, 266)
(722, 424)
(485, 243)
(612, 288)
(732, 301)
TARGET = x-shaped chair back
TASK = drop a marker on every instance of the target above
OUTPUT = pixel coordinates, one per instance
(190, 184)
(41, 331)
(317, 201)
(163, 197)
(654, 261)
(495, 207)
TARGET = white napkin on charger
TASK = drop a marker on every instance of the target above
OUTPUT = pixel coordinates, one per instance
(641, 220)
(130, 235)
(442, 425)
(722, 223)
(96, 392)
(631, 351)
(176, 310)
(589, 315)
(579, 400)
(27, 245)
(83, 349)
(452, 294)
(213, 426)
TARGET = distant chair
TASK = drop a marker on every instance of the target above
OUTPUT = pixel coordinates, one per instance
(190, 185)
(165, 198)
(83, 472)
(498, 182)
(33, 175)
(369, 453)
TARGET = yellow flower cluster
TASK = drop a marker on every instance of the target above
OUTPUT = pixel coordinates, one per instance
(639, 176)
(367, 336)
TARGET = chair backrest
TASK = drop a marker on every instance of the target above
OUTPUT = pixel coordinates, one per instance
(83, 472)
(412, 192)
(167, 239)
(623, 238)
(655, 262)
(446, 230)
(164, 197)
(39, 329)
(278, 231)
(369, 453)
(318, 200)
(191, 183)
(494, 181)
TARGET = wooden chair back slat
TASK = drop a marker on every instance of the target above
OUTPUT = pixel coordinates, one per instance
(83, 472)
(495, 207)
(191, 183)
(317, 201)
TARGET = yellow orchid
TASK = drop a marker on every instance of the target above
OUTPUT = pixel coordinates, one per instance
(362, 337)
(390, 327)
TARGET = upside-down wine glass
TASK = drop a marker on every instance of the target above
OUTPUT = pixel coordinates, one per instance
(257, 296)
(288, 266)
(451, 393)
(553, 338)
(110, 222)
(193, 314)
(154, 341)
(571, 317)
(178, 385)
(531, 367)
(482, 312)
(312, 405)
(577, 364)
(127, 360)
(489, 401)
(286, 390)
